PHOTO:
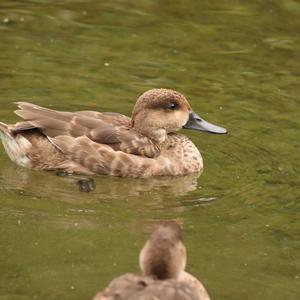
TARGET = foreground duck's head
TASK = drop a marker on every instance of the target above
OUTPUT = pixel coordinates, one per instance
(162, 261)
(161, 111)
(164, 254)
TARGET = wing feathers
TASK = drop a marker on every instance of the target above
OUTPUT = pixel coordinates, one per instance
(110, 129)
(33, 111)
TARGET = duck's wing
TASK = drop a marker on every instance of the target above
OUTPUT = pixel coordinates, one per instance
(106, 128)
(136, 287)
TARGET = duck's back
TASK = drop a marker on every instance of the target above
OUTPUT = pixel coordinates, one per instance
(137, 287)
(103, 128)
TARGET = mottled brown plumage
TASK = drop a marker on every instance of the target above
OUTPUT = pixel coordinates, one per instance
(138, 287)
(162, 261)
(107, 143)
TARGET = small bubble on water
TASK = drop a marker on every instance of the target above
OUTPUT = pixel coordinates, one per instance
(19, 222)
(5, 20)
(72, 287)
(84, 12)
(106, 64)
(22, 19)
(221, 107)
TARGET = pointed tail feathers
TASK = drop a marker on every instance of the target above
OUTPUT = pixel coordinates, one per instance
(4, 127)
(16, 146)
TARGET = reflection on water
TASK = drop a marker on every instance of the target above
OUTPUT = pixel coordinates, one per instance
(47, 184)
(237, 63)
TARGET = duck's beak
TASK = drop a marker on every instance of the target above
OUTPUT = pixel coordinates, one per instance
(197, 123)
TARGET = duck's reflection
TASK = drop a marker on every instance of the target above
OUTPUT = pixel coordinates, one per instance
(47, 184)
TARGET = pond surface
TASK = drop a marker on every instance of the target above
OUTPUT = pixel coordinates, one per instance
(238, 64)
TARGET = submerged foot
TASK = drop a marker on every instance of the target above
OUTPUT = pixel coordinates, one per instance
(86, 185)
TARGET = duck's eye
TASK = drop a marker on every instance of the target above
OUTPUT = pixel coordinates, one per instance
(172, 105)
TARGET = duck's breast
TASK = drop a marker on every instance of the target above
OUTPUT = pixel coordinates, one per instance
(183, 155)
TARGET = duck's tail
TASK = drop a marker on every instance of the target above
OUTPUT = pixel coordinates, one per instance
(15, 145)
(3, 127)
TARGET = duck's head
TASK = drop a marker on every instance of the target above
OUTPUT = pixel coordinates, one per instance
(164, 254)
(161, 111)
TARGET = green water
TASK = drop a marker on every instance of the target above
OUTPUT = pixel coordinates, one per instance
(238, 64)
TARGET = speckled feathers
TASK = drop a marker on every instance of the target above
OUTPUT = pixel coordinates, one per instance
(110, 143)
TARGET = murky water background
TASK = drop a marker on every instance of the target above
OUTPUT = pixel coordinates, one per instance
(238, 64)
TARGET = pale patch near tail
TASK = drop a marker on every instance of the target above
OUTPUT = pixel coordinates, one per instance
(16, 146)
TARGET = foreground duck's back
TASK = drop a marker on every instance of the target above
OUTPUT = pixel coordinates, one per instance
(137, 287)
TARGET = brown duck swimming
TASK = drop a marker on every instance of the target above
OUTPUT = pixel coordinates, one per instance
(162, 261)
(107, 143)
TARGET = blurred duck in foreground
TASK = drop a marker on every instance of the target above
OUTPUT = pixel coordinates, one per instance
(162, 261)
(90, 142)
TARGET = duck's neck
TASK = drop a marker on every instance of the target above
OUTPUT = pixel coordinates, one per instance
(157, 135)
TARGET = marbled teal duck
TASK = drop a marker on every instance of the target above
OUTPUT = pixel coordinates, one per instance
(89, 142)
(162, 261)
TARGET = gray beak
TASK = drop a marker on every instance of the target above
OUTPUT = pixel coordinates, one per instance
(197, 123)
